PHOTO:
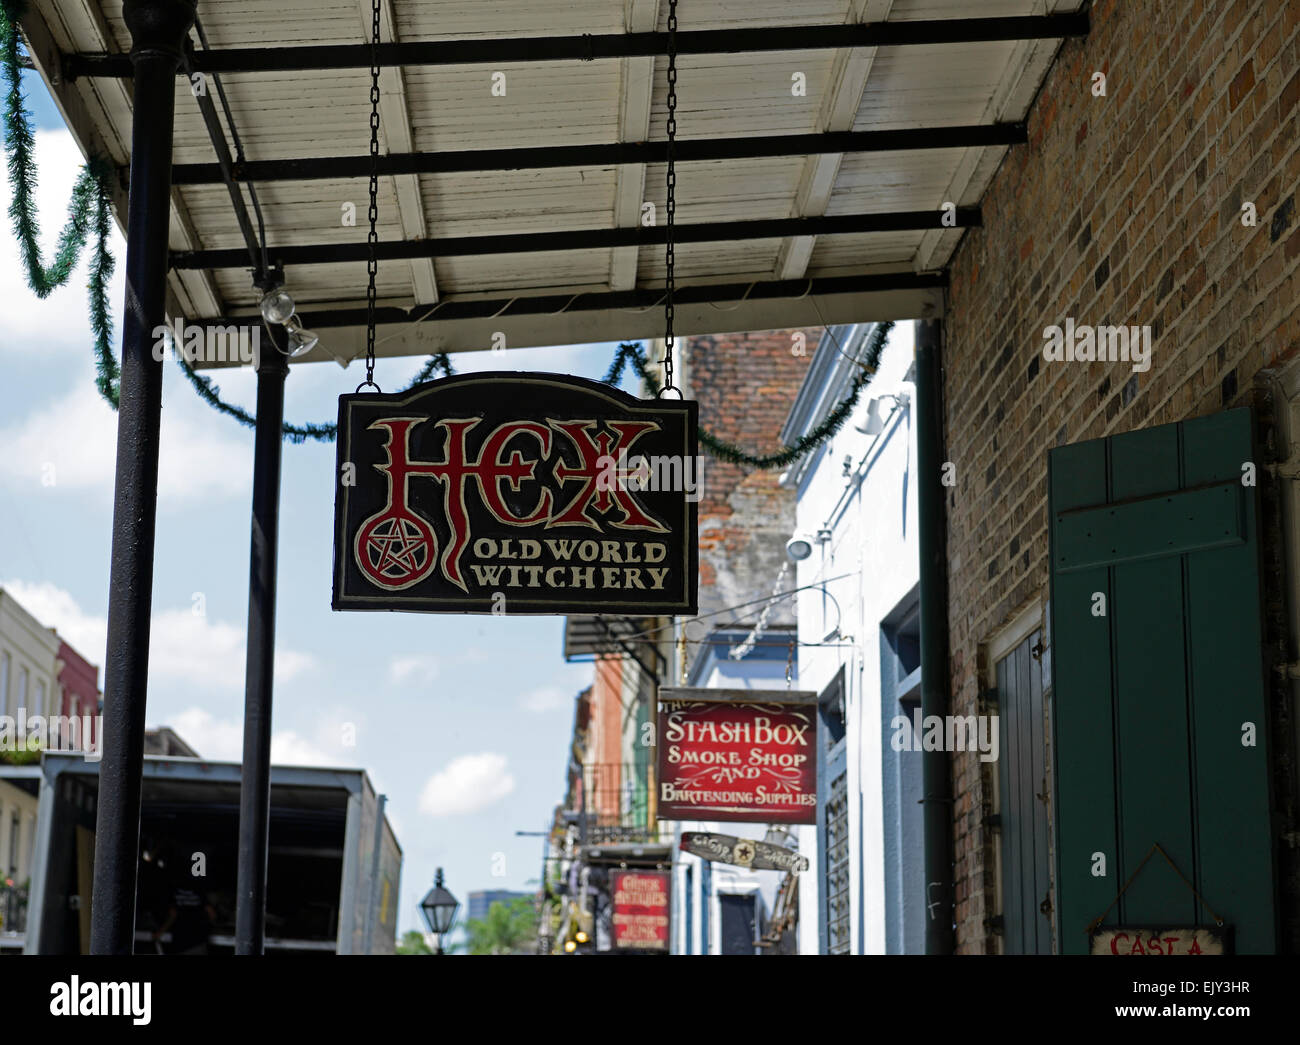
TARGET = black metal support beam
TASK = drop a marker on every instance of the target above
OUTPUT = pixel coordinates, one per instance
(615, 45)
(552, 304)
(584, 239)
(608, 155)
(217, 136)
(255, 773)
(158, 28)
(932, 523)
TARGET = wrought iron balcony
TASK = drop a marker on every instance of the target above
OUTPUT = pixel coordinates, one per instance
(616, 804)
(13, 910)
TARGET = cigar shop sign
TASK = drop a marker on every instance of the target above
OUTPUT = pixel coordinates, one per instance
(737, 755)
(516, 493)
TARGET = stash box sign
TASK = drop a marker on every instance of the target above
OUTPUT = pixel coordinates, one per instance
(516, 493)
(739, 755)
(641, 907)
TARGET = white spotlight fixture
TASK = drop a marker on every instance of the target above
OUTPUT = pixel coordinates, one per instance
(798, 547)
(278, 307)
(874, 423)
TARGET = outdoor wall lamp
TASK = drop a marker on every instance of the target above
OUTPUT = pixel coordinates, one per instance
(798, 548)
(873, 423)
(278, 307)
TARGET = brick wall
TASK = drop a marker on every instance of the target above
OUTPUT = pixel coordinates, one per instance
(1121, 209)
(745, 385)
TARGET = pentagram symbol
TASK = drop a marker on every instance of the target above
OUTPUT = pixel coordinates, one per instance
(744, 853)
(395, 549)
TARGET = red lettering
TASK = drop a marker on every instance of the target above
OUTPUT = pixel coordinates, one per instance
(599, 456)
(488, 471)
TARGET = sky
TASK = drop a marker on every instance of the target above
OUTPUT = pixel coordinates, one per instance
(462, 721)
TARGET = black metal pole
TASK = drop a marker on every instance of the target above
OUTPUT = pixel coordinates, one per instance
(589, 47)
(255, 775)
(691, 150)
(931, 494)
(584, 239)
(158, 28)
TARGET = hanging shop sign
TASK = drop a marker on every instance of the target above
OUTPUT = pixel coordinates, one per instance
(727, 849)
(642, 904)
(1148, 941)
(515, 493)
(737, 755)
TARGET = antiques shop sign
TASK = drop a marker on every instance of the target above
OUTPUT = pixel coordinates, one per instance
(641, 908)
(516, 493)
(737, 755)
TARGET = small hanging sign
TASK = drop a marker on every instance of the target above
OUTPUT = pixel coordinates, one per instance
(738, 755)
(515, 493)
(727, 849)
(642, 907)
(1148, 941)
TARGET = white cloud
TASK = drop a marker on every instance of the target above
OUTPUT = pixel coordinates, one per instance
(181, 645)
(71, 443)
(56, 608)
(419, 667)
(466, 785)
(548, 698)
(222, 740)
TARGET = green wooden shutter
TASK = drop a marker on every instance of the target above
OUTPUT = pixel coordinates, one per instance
(1150, 700)
(1026, 882)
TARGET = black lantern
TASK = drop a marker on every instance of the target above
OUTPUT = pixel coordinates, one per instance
(439, 908)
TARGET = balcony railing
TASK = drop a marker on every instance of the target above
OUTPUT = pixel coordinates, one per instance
(617, 804)
(13, 910)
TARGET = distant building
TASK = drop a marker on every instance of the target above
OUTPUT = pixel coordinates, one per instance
(164, 741)
(479, 902)
(326, 892)
(27, 662)
(79, 697)
(27, 688)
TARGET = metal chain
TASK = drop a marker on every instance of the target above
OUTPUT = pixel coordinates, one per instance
(372, 262)
(670, 258)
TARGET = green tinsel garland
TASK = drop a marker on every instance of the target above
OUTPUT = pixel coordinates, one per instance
(323, 431)
(89, 212)
(632, 352)
(107, 373)
(88, 209)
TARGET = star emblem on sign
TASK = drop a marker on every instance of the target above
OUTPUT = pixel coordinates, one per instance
(744, 853)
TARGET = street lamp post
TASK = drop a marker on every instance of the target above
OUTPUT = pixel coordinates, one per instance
(439, 909)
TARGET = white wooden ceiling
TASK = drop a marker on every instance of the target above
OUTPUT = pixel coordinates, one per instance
(442, 108)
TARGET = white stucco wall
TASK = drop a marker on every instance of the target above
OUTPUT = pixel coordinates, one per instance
(869, 564)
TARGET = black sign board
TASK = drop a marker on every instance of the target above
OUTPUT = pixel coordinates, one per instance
(516, 493)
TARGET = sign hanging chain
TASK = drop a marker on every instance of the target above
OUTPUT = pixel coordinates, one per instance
(670, 259)
(1156, 847)
(372, 262)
